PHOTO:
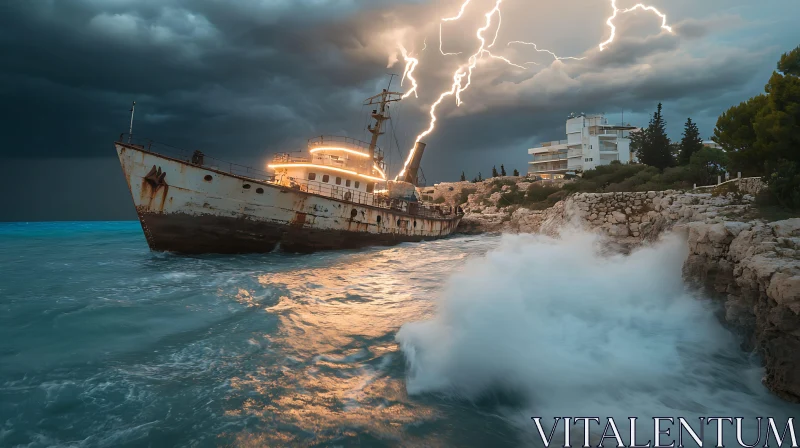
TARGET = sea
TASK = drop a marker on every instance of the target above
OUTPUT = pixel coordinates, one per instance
(454, 342)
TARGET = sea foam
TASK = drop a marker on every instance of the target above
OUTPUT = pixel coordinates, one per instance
(565, 330)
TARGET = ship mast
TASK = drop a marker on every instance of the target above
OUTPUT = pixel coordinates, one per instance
(380, 115)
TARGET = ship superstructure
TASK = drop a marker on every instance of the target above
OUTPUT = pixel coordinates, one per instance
(337, 195)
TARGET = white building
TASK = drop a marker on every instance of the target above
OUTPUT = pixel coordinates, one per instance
(590, 142)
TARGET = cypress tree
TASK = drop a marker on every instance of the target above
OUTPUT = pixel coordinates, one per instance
(463, 177)
(502, 170)
(494, 172)
(652, 144)
(690, 143)
(516, 173)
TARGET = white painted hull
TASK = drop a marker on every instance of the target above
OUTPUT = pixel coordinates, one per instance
(187, 208)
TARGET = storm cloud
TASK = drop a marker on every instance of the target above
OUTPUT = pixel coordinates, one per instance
(242, 79)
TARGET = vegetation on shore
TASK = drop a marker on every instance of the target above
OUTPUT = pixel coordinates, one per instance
(759, 137)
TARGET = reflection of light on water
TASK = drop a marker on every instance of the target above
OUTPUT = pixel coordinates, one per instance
(338, 373)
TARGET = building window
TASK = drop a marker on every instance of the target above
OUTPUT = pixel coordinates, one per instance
(370, 187)
(312, 176)
(347, 183)
(326, 178)
(338, 181)
(358, 184)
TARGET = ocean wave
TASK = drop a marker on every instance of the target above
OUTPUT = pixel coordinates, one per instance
(555, 327)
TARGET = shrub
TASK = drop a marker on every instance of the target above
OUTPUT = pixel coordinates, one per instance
(784, 184)
(539, 193)
(498, 184)
(513, 196)
(559, 195)
(464, 195)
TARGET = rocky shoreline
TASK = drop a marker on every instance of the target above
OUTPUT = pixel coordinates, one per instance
(750, 265)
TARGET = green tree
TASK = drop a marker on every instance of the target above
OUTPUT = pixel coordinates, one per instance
(480, 179)
(463, 177)
(494, 172)
(502, 170)
(789, 64)
(651, 144)
(706, 164)
(735, 133)
(764, 130)
(690, 143)
(516, 173)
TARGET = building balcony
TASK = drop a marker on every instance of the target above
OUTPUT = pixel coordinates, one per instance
(548, 168)
(557, 170)
(554, 143)
(548, 158)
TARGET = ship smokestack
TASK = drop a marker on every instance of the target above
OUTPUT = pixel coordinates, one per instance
(413, 167)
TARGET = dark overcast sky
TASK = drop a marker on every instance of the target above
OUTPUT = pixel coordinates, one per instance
(242, 79)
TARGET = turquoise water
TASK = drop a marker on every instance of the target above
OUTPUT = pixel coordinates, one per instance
(105, 344)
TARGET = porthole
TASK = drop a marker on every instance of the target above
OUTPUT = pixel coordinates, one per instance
(260, 190)
(326, 178)
(378, 219)
(246, 186)
(208, 178)
(353, 213)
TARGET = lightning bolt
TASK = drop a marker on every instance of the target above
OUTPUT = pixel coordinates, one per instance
(450, 19)
(473, 60)
(411, 64)
(497, 32)
(504, 59)
(555, 56)
(456, 88)
(610, 21)
(465, 71)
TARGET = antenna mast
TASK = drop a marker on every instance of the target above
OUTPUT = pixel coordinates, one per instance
(379, 115)
(130, 131)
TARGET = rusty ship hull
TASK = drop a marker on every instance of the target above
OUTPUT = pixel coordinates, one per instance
(190, 209)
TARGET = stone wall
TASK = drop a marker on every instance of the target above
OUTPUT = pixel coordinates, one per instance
(630, 218)
(751, 185)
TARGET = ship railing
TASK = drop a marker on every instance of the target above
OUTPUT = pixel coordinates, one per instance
(343, 142)
(380, 200)
(198, 158)
(285, 157)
